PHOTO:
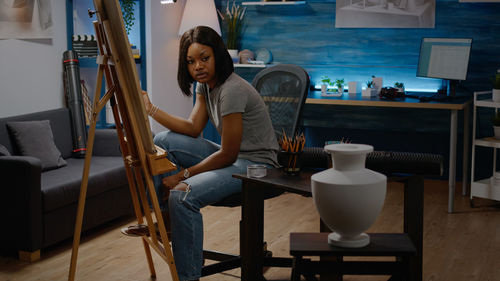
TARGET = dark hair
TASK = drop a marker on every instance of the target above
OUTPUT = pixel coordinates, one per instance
(206, 36)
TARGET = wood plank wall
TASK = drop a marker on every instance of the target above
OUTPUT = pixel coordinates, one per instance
(306, 35)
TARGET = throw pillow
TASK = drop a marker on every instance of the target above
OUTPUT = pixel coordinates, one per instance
(34, 138)
(4, 151)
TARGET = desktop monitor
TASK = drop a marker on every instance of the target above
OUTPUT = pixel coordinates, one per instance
(444, 58)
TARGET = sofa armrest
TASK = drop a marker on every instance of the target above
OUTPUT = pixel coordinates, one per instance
(20, 198)
(106, 143)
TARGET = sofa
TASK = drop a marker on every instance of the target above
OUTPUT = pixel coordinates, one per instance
(39, 204)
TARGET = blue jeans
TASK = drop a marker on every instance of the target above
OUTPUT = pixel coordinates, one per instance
(184, 206)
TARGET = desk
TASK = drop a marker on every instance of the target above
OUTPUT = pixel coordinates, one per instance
(452, 106)
(252, 219)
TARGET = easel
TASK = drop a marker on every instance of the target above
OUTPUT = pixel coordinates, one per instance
(142, 159)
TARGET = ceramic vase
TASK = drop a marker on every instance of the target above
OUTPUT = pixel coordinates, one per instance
(348, 196)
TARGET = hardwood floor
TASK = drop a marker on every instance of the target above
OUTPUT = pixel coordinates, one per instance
(464, 246)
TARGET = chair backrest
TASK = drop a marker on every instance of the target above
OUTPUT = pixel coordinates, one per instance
(284, 88)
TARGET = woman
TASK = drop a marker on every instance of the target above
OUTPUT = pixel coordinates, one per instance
(205, 168)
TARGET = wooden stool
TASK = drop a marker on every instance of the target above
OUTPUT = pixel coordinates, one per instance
(397, 245)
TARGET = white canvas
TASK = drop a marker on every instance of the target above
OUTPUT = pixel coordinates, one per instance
(25, 19)
(385, 13)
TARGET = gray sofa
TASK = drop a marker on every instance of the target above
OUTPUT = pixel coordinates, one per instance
(40, 206)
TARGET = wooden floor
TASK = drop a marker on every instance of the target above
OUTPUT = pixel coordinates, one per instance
(464, 246)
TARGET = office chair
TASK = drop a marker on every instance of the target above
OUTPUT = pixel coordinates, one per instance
(284, 89)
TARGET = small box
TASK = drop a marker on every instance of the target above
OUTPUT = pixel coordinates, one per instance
(354, 87)
(377, 83)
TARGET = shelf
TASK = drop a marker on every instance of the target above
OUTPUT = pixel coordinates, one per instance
(251, 65)
(488, 142)
(91, 61)
(484, 189)
(269, 3)
(487, 103)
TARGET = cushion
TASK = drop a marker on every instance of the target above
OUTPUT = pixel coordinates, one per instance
(34, 138)
(4, 151)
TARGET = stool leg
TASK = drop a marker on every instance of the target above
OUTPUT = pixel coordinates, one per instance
(328, 276)
(296, 269)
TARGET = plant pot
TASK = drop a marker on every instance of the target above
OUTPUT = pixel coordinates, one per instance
(369, 92)
(496, 131)
(348, 196)
(323, 88)
(234, 55)
(495, 95)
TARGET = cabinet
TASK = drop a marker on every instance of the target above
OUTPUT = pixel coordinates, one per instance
(488, 187)
(79, 23)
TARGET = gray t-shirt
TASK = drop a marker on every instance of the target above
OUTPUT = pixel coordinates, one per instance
(236, 95)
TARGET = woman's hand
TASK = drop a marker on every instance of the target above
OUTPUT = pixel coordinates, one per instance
(147, 102)
(174, 182)
(171, 181)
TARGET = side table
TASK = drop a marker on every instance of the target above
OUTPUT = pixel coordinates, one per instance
(397, 245)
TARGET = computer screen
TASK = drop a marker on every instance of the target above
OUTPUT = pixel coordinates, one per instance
(445, 58)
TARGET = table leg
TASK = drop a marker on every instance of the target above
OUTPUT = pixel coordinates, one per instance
(252, 233)
(452, 162)
(414, 221)
(465, 166)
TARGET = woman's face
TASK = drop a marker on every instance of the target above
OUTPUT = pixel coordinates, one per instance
(201, 64)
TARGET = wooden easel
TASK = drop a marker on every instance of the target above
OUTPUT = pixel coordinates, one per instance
(141, 157)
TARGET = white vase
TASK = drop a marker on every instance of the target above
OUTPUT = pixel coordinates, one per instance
(348, 196)
(234, 55)
(323, 88)
(495, 95)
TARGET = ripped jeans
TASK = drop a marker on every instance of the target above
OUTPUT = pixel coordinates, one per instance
(184, 206)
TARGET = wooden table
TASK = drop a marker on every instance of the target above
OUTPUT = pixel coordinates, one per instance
(252, 218)
(459, 103)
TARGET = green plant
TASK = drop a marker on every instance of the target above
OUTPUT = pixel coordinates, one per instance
(496, 119)
(496, 81)
(128, 14)
(325, 80)
(399, 85)
(233, 21)
(339, 83)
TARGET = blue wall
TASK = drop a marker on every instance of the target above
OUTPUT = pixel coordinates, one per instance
(306, 35)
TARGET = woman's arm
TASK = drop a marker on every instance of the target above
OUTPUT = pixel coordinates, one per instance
(232, 130)
(191, 126)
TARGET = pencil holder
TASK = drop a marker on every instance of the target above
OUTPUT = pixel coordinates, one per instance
(290, 162)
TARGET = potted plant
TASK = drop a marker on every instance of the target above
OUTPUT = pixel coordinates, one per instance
(400, 87)
(496, 125)
(340, 85)
(495, 96)
(325, 81)
(369, 91)
(232, 22)
(128, 14)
